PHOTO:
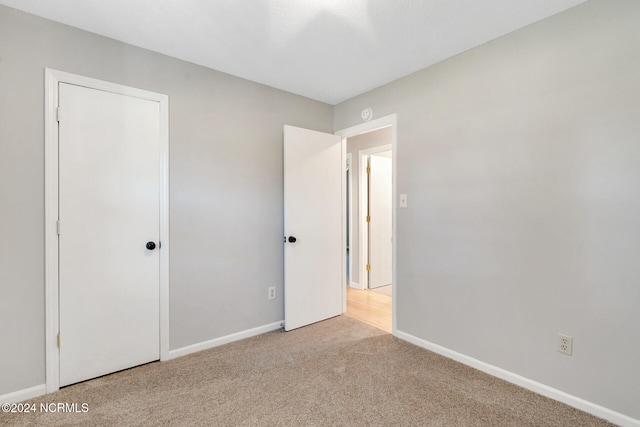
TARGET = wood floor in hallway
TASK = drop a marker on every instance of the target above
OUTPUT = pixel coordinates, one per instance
(369, 307)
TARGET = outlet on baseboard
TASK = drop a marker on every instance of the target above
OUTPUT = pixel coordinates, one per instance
(272, 292)
(565, 344)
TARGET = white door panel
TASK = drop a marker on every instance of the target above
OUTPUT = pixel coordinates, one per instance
(313, 212)
(109, 198)
(380, 226)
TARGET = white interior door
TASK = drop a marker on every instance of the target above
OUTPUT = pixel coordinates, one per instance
(380, 224)
(313, 214)
(109, 198)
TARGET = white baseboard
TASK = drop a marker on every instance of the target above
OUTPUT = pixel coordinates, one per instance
(576, 402)
(27, 393)
(224, 340)
(40, 390)
(356, 285)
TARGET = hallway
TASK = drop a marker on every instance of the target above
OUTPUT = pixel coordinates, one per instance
(370, 307)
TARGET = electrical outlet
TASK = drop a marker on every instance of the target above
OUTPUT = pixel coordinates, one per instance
(403, 200)
(272, 292)
(565, 344)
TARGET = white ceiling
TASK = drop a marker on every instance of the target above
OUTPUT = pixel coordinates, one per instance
(329, 50)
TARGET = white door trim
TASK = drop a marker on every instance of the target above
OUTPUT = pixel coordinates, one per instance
(52, 79)
(347, 221)
(382, 122)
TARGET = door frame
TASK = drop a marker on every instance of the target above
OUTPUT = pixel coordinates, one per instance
(347, 221)
(52, 80)
(382, 122)
(363, 196)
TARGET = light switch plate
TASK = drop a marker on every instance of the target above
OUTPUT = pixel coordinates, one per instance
(403, 200)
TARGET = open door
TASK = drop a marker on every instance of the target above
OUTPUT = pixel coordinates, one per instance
(380, 224)
(313, 214)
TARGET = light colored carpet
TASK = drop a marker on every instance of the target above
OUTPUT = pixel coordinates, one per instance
(339, 372)
(384, 290)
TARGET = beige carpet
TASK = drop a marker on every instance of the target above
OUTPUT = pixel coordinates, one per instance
(339, 372)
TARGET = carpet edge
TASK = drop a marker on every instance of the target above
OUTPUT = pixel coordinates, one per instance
(206, 345)
(526, 383)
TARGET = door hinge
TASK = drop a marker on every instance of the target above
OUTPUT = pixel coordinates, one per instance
(368, 267)
(58, 114)
(368, 218)
(368, 169)
(58, 227)
(58, 340)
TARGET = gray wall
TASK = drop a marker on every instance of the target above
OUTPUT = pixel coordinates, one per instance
(225, 186)
(521, 161)
(520, 158)
(355, 144)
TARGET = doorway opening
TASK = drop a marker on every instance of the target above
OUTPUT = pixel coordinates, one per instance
(370, 218)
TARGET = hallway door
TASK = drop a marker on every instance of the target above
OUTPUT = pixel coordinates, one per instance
(313, 226)
(380, 224)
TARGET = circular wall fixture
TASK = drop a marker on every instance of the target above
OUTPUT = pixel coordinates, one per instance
(366, 114)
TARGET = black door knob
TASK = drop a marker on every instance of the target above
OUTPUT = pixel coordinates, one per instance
(151, 246)
(292, 239)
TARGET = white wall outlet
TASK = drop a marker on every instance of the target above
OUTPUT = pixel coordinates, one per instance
(403, 200)
(272, 292)
(565, 344)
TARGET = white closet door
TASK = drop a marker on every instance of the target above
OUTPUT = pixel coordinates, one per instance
(109, 195)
